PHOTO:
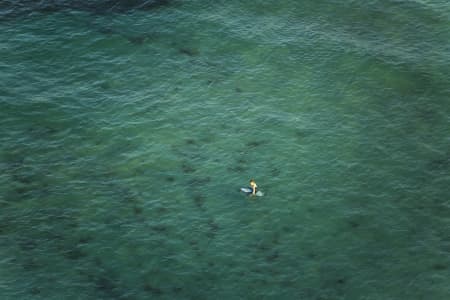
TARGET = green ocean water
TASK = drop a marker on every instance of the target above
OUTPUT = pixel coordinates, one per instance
(127, 131)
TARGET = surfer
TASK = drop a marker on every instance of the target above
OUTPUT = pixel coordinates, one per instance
(253, 186)
(252, 190)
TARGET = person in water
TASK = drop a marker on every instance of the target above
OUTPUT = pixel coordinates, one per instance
(253, 186)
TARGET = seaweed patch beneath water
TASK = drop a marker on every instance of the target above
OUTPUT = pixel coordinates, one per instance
(254, 144)
(199, 201)
(187, 168)
(151, 288)
(188, 51)
(213, 228)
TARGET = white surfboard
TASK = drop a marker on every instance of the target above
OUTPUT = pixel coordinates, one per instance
(248, 191)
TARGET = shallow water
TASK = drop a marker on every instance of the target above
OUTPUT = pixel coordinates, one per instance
(127, 131)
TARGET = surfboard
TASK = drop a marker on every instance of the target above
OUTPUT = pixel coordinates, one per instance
(248, 191)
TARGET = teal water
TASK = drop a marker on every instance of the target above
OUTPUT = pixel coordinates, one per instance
(127, 131)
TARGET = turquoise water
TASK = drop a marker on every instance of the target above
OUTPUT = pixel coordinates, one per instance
(127, 131)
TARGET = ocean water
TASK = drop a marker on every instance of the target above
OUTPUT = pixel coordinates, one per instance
(128, 129)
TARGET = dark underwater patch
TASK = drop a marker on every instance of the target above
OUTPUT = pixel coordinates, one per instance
(105, 284)
(237, 169)
(137, 40)
(84, 240)
(75, 253)
(190, 142)
(152, 289)
(35, 291)
(199, 181)
(439, 267)
(188, 51)
(254, 144)
(170, 179)
(106, 30)
(159, 228)
(303, 133)
(442, 163)
(275, 172)
(137, 210)
(104, 280)
(353, 224)
(272, 257)
(186, 168)
(27, 244)
(31, 264)
(213, 225)
(199, 201)
(23, 176)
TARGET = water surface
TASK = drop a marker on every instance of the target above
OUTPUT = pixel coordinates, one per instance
(127, 131)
